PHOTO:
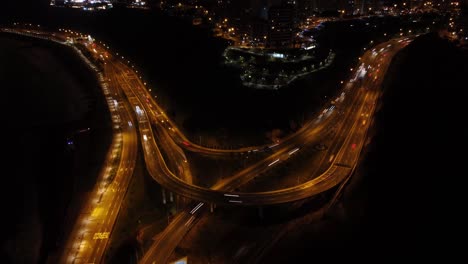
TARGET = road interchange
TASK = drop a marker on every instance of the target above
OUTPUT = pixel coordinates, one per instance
(351, 113)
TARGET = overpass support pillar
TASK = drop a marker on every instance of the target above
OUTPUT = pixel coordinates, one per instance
(260, 212)
(181, 201)
(163, 196)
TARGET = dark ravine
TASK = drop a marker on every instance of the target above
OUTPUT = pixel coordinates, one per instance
(50, 95)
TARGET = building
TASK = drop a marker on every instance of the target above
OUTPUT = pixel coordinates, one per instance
(462, 24)
(83, 4)
(306, 8)
(259, 31)
(280, 26)
(327, 5)
(366, 7)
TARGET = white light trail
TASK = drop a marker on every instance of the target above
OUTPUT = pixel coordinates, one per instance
(273, 162)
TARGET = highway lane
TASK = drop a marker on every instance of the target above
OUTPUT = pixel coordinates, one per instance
(172, 235)
(92, 230)
(175, 156)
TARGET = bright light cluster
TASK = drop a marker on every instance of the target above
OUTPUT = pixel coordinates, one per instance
(88, 5)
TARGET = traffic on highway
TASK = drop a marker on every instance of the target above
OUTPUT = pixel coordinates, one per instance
(137, 117)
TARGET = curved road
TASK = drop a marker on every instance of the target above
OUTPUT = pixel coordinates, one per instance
(359, 102)
(353, 115)
(162, 249)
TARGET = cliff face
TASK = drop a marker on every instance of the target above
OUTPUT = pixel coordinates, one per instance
(48, 96)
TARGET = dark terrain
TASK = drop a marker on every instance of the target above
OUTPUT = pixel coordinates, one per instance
(49, 96)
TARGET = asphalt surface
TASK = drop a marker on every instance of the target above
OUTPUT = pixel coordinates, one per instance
(350, 114)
